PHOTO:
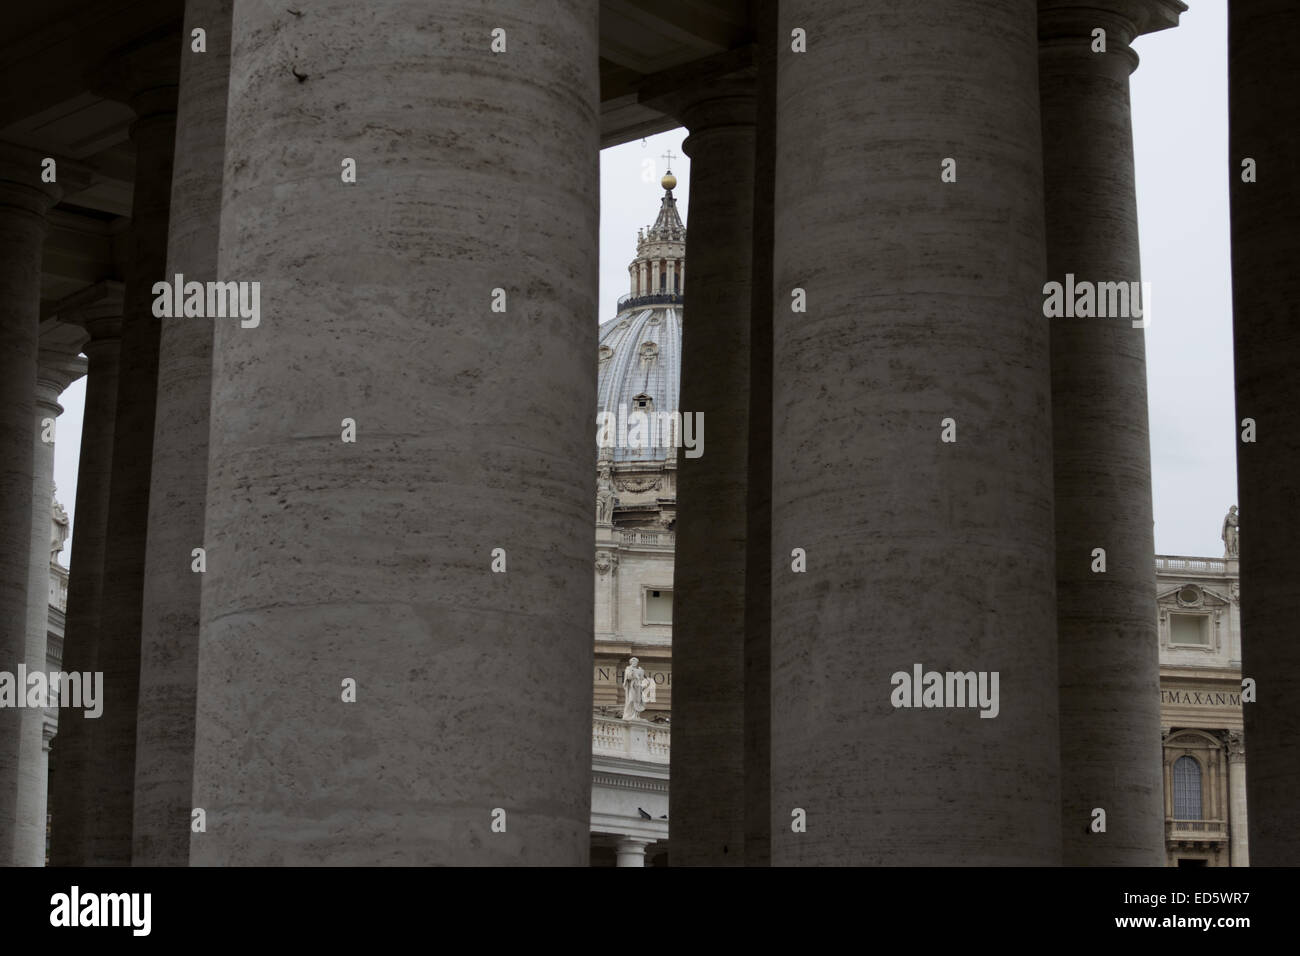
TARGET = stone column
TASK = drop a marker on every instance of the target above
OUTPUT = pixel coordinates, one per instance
(99, 310)
(371, 561)
(922, 321)
(758, 532)
(144, 77)
(1237, 818)
(24, 202)
(631, 851)
(1264, 129)
(57, 369)
(707, 797)
(170, 617)
(1106, 621)
(645, 278)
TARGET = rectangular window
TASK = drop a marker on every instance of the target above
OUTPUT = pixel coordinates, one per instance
(1193, 629)
(658, 606)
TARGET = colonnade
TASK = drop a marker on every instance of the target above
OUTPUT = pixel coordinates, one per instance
(308, 655)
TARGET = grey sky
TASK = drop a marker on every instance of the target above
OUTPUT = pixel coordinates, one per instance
(1180, 129)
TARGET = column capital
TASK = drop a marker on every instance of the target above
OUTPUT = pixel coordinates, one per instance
(96, 308)
(20, 181)
(56, 369)
(1236, 744)
(729, 101)
(144, 74)
(1065, 26)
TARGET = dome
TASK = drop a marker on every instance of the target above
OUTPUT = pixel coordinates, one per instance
(639, 356)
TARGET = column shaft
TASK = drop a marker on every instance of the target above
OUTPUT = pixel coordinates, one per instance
(148, 82)
(1106, 621)
(707, 796)
(1237, 814)
(758, 532)
(99, 309)
(1264, 126)
(170, 617)
(370, 561)
(24, 201)
(56, 370)
(923, 315)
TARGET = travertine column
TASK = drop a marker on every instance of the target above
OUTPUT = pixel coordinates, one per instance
(145, 77)
(707, 797)
(57, 369)
(1264, 128)
(170, 618)
(1237, 816)
(631, 851)
(371, 560)
(922, 305)
(1106, 621)
(645, 278)
(99, 310)
(24, 201)
(758, 532)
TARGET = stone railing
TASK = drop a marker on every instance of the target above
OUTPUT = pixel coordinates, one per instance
(59, 587)
(1195, 829)
(658, 540)
(659, 298)
(634, 739)
(1180, 562)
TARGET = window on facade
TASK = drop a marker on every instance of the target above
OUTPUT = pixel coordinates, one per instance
(1189, 629)
(658, 606)
(1187, 789)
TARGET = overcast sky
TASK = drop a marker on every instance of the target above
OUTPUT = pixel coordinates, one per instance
(1180, 130)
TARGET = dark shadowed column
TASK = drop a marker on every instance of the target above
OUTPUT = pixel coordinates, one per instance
(921, 321)
(169, 651)
(1106, 620)
(1264, 127)
(99, 310)
(758, 569)
(370, 691)
(145, 78)
(707, 797)
(24, 201)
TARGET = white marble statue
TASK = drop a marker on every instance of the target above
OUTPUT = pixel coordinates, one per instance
(634, 679)
(58, 528)
(1230, 533)
(604, 497)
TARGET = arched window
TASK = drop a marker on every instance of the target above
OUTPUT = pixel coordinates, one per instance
(1187, 789)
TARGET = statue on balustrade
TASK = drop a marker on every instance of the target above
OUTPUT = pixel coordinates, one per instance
(58, 527)
(639, 688)
(1230, 533)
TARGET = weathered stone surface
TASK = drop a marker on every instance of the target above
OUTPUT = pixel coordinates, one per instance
(708, 791)
(1264, 125)
(371, 560)
(99, 309)
(169, 651)
(923, 303)
(24, 201)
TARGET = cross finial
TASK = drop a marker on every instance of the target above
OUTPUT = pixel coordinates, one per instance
(669, 157)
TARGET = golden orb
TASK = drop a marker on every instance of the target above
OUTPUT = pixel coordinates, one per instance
(669, 181)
